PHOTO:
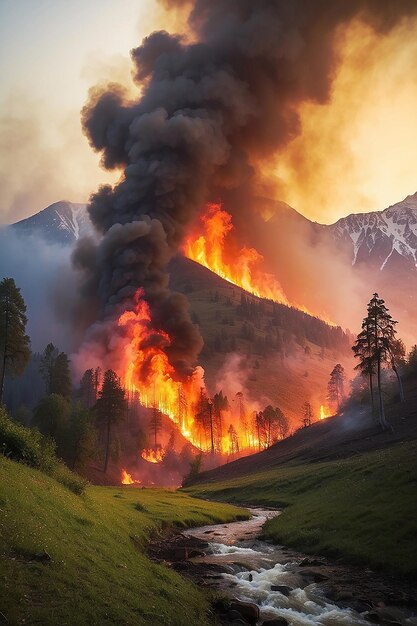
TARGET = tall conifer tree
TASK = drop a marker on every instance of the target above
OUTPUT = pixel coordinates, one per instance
(14, 343)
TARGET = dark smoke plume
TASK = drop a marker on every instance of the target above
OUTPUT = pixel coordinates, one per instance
(207, 111)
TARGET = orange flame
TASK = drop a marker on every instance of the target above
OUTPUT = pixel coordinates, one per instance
(147, 371)
(324, 412)
(245, 269)
(208, 250)
(126, 478)
(153, 455)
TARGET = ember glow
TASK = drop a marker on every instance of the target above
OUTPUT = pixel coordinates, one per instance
(244, 269)
(153, 455)
(148, 375)
(324, 412)
(126, 479)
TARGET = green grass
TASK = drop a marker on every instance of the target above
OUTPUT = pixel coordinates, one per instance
(98, 572)
(362, 509)
(29, 446)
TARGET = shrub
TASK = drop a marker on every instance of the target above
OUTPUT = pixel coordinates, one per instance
(29, 446)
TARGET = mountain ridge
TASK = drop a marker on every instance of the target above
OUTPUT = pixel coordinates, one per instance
(384, 238)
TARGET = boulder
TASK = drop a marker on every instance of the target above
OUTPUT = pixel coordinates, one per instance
(276, 621)
(247, 610)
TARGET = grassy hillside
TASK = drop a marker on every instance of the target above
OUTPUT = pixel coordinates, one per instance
(96, 571)
(362, 508)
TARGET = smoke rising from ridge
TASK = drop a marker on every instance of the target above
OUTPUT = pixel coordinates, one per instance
(206, 112)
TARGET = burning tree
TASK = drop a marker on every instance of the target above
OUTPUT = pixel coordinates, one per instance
(233, 440)
(336, 385)
(271, 425)
(307, 414)
(14, 343)
(111, 407)
(155, 424)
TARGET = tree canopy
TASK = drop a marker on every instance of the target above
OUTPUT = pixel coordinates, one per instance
(14, 343)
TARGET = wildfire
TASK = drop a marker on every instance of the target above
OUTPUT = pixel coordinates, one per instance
(245, 266)
(126, 478)
(148, 373)
(153, 455)
(244, 270)
(323, 412)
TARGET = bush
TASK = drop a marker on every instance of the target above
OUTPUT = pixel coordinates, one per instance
(30, 447)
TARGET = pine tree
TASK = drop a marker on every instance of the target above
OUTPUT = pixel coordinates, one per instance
(47, 366)
(155, 425)
(111, 407)
(233, 440)
(336, 385)
(412, 361)
(14, 343)
(87, 392)
(363, 351)
(396, 352)
(307, 414)
(373, 346)
(61, 378)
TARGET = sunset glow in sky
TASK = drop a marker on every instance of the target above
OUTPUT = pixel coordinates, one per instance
(356, 153)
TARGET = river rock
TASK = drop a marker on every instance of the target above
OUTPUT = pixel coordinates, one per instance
(312, 575)
(247, 610)
(310, 563)
(234, 615)
(284, 589)
(386, 615)
(276, 621)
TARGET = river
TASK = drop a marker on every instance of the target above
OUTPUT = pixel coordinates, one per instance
(284, 584)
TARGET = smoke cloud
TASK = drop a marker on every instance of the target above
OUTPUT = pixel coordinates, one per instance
(208, 112)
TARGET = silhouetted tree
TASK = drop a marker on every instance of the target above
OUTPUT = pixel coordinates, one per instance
(336, 385)
(412, 361)
(61, 378)
(47, 365)
(363, 351)
(111, 407)
(373, 345)
(87, 392)
(155, 424)
(14, 343)
(233, 440)
(396, 353)
(307, 414)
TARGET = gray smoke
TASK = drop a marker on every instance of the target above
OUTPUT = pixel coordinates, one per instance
(207, 112)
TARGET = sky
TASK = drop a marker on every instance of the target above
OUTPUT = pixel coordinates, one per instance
(356, 153)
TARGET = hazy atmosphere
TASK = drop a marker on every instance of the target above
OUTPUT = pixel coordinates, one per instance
(208, 312)
(359, 141)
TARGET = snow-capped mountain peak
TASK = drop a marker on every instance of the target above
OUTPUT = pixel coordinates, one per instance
(382, 238)
(61, 222)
